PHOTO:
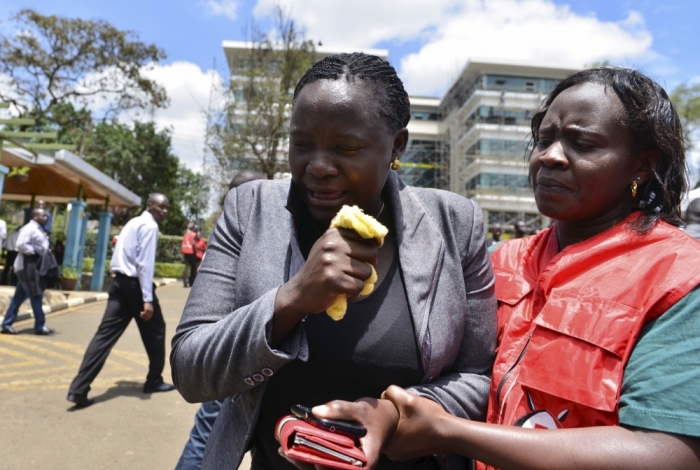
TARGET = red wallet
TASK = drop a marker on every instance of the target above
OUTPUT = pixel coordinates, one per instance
(307, 443)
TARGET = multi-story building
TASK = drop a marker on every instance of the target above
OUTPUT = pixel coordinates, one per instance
(485, 136)
(473, 141)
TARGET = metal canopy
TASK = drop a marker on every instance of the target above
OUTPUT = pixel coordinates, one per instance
(56, 178)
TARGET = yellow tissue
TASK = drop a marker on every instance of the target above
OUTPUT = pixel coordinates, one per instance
(353, 218)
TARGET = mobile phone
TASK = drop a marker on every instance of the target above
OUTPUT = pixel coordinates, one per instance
(347, 428)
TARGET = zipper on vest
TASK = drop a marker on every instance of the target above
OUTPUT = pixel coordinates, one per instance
(510, 371)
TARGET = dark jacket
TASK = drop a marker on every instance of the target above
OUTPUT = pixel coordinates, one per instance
(38, 269)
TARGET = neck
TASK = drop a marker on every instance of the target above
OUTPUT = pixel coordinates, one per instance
(569, 233)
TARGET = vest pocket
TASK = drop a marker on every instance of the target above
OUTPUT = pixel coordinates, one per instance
(577, 348)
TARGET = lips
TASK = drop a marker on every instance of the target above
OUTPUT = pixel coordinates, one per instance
(325, 196)
(551, 185)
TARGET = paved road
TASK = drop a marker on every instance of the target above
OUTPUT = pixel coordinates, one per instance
(124, 429)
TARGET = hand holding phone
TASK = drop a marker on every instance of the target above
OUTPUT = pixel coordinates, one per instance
(346, 428)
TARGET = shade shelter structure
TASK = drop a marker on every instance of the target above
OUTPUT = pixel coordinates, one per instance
(63, 177)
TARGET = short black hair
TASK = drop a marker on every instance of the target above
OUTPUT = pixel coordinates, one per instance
(654, 125)
(393, 102)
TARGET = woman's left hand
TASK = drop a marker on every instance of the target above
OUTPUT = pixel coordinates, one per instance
(379, 417)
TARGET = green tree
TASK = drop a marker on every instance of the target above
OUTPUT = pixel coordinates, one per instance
(54, 61)
(140, 158)
(250, 130)
(686, 100)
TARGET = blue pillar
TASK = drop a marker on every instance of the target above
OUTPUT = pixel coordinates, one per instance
(81, 249)
(101, 251)
(74, 234)
(3, 171)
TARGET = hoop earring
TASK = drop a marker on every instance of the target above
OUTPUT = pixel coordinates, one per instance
(395, 165)
(633, 187)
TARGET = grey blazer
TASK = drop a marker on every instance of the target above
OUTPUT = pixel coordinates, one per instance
(222, 345)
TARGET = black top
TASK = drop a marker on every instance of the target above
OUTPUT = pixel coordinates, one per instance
(372, 347)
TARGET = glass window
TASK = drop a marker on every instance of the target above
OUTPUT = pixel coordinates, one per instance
(519, 84)
(499, 148)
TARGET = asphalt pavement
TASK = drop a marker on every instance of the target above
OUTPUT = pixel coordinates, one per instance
(124, 429)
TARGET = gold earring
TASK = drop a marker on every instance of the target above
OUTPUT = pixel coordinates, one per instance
(633, 186)
(395, 165)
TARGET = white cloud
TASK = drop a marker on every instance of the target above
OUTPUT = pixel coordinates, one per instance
(452, 31)
(188, 88)
(363, 23)
(227, 8)
(528, 31)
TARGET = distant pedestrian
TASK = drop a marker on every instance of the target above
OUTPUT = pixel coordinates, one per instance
(496, 232)
(3, 232)
(187, 248)
(9, 278)
(49, 220)
(200, 247)
(32, 243)
(131, 295)
(520, 229)
(692, 219)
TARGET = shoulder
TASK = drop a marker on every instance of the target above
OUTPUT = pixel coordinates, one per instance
(261, 193)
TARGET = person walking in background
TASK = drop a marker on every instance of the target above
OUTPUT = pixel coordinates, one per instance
(192, 454)
(496, 232)
(692, 219)
(200, 247)
(520, 229)
(9, 278)
(32, 242)
(188, 251)
(49, 220)
(131, 295)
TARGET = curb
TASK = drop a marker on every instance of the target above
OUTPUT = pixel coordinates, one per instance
(69, 303)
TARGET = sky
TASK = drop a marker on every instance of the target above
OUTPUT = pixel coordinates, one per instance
(429, 42)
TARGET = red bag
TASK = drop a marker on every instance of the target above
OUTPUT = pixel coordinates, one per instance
(307, 443)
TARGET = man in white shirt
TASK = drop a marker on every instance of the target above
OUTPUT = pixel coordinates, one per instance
(31, 242)
(131, 295)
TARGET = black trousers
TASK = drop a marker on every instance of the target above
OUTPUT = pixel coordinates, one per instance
(125, 302)
(191, 262)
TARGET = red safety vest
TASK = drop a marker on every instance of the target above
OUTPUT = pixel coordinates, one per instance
(568, 321)
(200, 246)
(187, 246)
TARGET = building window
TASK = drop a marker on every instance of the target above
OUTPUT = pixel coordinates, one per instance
(420, 164)
(502, 116)
(519, 84)
(497, 180)
(424, 116)
(499, 148)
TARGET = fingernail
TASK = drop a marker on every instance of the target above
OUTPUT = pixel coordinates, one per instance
(320, 410)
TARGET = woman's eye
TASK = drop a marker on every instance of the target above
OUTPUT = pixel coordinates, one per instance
(347, 150)
(543, 143)
(584, 146)
(301, 145)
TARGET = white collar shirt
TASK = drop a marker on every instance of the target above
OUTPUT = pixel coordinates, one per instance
(135, 252)
(31, 239)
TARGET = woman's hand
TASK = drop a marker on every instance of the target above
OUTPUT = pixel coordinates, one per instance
(379, 417)
(417, 433)
(337, 264)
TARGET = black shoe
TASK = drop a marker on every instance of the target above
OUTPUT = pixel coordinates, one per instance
(159, 387)
(45, 330)
(80, 401)
(8, 330)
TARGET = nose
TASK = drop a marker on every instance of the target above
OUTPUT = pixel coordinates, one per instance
(554, 156)
(322, 165)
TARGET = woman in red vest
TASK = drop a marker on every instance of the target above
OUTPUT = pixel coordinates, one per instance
(599, 332)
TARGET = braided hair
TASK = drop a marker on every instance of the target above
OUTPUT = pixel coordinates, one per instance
(654, 125)
(392, 99)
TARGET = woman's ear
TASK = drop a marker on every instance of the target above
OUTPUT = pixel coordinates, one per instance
(400, 143)
(647, 161)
